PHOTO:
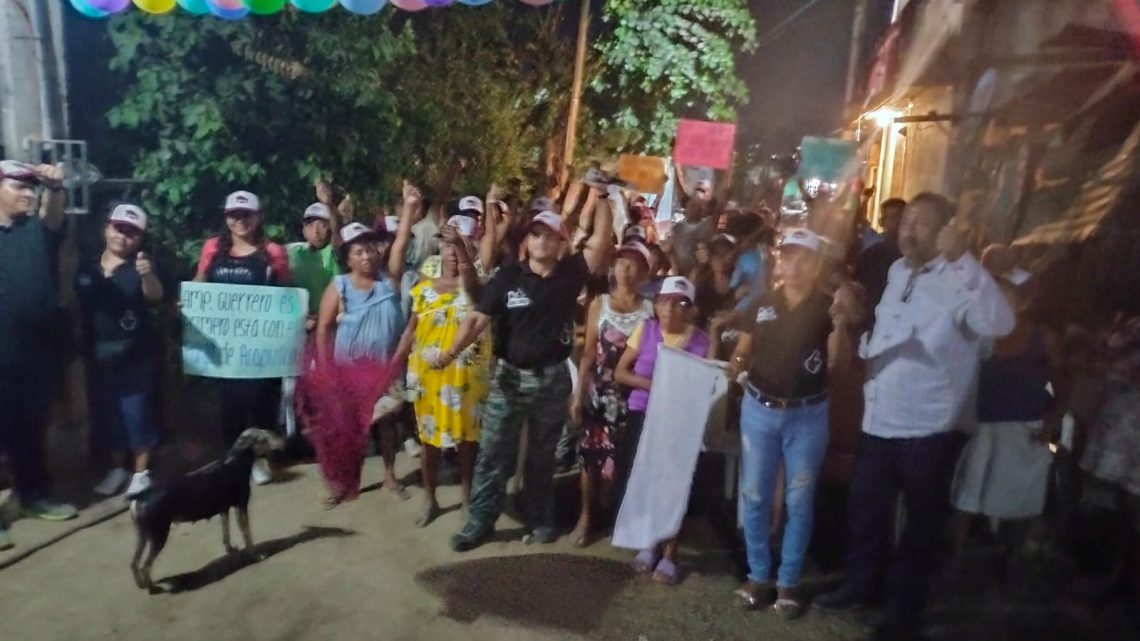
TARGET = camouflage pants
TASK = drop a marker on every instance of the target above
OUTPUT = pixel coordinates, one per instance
(541, 399)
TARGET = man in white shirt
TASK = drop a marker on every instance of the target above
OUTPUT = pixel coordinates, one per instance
(922, 357)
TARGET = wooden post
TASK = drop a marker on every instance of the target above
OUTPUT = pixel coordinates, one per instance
(575, 94)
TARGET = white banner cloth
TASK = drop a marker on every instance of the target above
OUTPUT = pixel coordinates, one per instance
(683, 392)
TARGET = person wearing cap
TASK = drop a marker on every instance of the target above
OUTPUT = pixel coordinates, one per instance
(242, 255)
(673, 326)
(28, 309)
(121, 344)
(533, 303)
(599, 403)
(448, 401)
(922, 362)
(358, 332)
(789, 337)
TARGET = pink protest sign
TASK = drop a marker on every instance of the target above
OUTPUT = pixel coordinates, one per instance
(704, 144)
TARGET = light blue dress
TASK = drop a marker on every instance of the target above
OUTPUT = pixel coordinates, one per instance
(371, 322)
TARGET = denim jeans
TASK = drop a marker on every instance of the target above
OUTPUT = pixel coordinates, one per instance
(120, 397)
(797, 438)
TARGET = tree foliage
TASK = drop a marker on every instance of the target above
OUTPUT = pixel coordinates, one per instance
(272, 104)
(665, 59)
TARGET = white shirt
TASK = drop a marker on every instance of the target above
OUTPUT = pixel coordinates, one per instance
(923, 356)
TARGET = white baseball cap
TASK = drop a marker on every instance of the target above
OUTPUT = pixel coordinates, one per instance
(801, 237)
(318, 210)
(354, 231)
(129, 215)
(18, 171)
(465, 225)
(242, 201)
(391, 224)
(551, 220)
(468, 203)
(542, 203)
(635, 247)
(678, 286)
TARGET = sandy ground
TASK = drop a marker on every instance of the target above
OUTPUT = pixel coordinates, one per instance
(362, 571)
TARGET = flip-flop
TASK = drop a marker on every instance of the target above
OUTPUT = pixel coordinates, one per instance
(645, 561)
(667, 573)
(400, 491)
(580, 539)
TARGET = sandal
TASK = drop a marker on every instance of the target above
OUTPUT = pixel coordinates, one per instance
(753, 595)
(667, 573)
(580, 539)
(400, 491)
(428, 513)
(645, 561)
(788, 604)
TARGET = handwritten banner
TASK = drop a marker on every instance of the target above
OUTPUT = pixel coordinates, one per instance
(646, 173)
(704, 144)
(242, 331)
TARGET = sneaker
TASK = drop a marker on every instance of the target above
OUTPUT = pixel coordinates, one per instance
(541, 535)
(5, 542)
(260, 475)
(140, 483)
(49, 511)
(412, 448)
(470, 537)
(113, 482)
(842, 599)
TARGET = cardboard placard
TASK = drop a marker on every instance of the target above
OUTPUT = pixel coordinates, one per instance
(242, 331)
(705, 144)
(646, 173)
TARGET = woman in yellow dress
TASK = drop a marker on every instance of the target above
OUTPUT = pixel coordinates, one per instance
(448, 393)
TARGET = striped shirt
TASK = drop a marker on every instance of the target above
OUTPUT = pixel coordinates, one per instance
(923, 354)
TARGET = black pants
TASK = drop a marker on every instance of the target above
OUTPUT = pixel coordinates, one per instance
(246, 403)
(919, 468)
(24, 406)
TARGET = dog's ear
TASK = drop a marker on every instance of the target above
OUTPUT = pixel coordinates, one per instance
(247, 440)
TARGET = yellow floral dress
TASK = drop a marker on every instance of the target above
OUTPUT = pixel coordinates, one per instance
(448, 402)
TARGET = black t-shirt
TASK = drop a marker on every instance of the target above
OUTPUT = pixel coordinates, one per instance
(789, 346)
(116, 315)
(28, 253)
(534, 316)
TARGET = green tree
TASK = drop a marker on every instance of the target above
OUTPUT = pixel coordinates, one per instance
(664, 59)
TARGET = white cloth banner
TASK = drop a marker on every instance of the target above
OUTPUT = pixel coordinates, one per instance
(683, 393)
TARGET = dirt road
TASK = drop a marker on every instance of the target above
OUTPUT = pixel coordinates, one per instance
(362, 571)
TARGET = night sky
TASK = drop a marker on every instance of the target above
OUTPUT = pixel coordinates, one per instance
(797, 78)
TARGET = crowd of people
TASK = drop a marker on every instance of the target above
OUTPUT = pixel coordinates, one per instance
(459, 318)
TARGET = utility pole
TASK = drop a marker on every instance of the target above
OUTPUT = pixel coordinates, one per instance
(858, 29)
(575, 94)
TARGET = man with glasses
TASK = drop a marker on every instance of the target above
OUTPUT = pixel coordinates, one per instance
(28, 250)
(922, 357)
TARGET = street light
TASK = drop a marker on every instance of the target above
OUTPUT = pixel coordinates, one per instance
(883, 116)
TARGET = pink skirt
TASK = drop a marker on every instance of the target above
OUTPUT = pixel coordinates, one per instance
(338, 401)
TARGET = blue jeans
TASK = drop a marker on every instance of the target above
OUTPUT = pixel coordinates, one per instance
(798, 439)
(121, 405)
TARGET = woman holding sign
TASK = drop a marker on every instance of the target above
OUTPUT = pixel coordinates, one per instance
(241, 255)
(358, 329)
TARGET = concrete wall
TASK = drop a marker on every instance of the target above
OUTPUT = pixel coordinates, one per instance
(33, 91)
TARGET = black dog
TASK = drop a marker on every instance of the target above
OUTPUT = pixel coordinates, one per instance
(212, 490)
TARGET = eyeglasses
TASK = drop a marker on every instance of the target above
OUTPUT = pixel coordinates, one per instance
(128, 230)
